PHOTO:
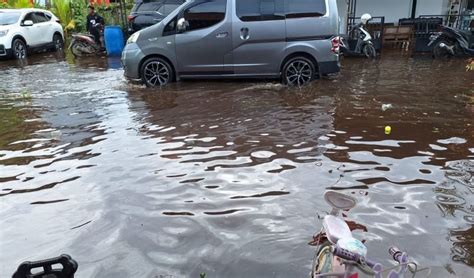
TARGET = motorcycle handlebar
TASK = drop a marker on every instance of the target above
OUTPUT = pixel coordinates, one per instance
(394, 252)
(350, 256)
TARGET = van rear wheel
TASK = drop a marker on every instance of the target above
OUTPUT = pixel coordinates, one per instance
(156, 72)
(298, 71)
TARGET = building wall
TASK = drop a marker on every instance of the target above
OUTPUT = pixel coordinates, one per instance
(393, 10)
(432, 7)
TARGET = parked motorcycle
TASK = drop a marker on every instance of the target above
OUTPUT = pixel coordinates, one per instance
(451, 42)
(339, 254)
(85, 44)
(365, 46)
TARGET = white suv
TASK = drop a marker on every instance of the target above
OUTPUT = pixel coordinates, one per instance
(24, 30)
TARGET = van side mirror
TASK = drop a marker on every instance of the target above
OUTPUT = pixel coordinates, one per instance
(27, 23)
(182, 25)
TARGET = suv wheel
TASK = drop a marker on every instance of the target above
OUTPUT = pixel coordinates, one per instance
(156, 72)
(58, 42)
(298, 71)
(19, 49)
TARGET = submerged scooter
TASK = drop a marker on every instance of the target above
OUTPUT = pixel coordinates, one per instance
(340, 255)
(451, 42)
(365, 46)
(85, 44)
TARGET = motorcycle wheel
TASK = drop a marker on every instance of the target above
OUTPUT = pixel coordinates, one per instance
(369, 51)
(440, 52)
(76, 49)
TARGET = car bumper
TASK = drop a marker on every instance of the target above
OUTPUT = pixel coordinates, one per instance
(132, 55)
(5, 52)
(326, 68)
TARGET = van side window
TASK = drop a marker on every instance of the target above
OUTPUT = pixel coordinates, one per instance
(170, 28)
(260, 10)
(305, 8)
(206, 14)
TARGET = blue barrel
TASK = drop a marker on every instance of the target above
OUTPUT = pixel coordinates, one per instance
(114, 41)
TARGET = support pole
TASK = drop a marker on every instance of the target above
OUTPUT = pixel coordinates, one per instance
(413, 8)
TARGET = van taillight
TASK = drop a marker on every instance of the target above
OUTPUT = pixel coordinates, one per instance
(335, 42)
(130, 18)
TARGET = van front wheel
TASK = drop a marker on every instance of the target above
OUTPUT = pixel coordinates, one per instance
(156, 72)
(298, 71)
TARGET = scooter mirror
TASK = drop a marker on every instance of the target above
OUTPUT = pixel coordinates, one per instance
(339, 200)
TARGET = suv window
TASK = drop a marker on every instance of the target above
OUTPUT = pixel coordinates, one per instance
(168, 8)
(260, 10)
(41, 17)
(151, 6)
(30, 16)
(206, 14)
(161, 6)
(305, 8)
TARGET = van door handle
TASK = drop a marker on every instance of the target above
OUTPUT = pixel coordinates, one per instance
(222, 35)
(244, 33)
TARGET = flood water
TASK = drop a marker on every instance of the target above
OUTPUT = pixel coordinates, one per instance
(227, 177)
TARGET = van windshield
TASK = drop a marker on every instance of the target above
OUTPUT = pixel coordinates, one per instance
(8, 18)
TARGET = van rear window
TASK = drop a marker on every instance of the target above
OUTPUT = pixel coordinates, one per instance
(305, 8)
(260, 10)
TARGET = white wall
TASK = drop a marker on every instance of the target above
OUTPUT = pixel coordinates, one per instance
(393, 10)
(432, 7)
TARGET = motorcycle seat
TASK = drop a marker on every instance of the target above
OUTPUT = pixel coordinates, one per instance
(336, 229)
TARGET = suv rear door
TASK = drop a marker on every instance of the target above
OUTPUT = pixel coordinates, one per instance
(259, 36)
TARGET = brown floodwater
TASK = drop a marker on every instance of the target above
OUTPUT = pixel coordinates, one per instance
(227, 177)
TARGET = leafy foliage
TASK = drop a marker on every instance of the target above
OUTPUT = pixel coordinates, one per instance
(18, 4)
(73, 13)
(62, 10)
(79, 14)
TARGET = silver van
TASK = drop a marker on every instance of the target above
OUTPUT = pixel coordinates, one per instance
(295, 40)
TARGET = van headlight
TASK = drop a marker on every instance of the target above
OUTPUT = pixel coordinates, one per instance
(133, 38)
(3, 33)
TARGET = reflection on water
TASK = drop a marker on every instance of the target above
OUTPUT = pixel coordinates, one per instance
(227, 177)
